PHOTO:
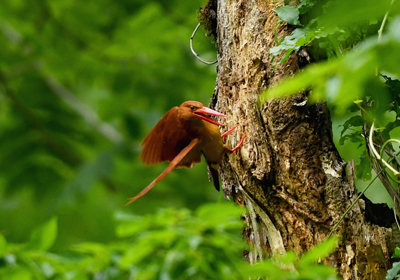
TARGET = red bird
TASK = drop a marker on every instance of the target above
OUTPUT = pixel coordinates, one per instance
(181, 136)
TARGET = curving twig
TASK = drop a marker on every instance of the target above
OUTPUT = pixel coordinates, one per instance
(377, 155)
(194, 53)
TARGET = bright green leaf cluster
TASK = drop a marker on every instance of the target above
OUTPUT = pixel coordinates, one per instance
(332, 27)
(306, 267)
(171, 244)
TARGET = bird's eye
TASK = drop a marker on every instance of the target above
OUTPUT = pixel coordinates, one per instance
(192, 107)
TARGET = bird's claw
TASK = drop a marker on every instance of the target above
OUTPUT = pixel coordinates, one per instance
(240, 143)
(225, 134)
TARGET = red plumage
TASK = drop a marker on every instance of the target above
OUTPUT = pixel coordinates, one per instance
(182, 135)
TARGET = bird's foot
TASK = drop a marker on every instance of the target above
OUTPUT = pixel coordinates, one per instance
(240, 143)
(223, 136)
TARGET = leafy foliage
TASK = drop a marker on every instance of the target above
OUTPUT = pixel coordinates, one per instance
(358, 70)
(81, 83)
(318, 25)
(171, 244)
(394, 271)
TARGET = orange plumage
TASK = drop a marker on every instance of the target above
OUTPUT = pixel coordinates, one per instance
(182, 135)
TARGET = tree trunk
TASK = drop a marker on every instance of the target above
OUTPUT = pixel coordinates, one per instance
(288, 172)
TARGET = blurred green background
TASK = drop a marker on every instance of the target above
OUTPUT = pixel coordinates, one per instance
(81, 84)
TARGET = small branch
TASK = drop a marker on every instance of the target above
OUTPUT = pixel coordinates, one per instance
(351, 206)
(395, 214)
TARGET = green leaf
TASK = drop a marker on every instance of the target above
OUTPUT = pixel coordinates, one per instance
(289, 14)
(396, 253)
(218, 212)
(91, 248)
(131, 228)
(305, 6)
(314, 74)
(363, 169)
(44, 236)
(354, 137)
(353, 121)
(392, 273)
(298, 38)
(319, 252)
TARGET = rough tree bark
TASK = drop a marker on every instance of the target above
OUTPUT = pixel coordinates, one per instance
(288, 172)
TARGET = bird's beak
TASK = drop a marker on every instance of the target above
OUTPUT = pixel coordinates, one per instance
(201, 113)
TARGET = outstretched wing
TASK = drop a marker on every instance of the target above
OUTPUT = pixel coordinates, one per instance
(168, 170)
(166, 140)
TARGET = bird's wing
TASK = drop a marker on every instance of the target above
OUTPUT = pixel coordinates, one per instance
(169, 168)
(166, 140)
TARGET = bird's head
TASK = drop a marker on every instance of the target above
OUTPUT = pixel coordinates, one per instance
(193, 110)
